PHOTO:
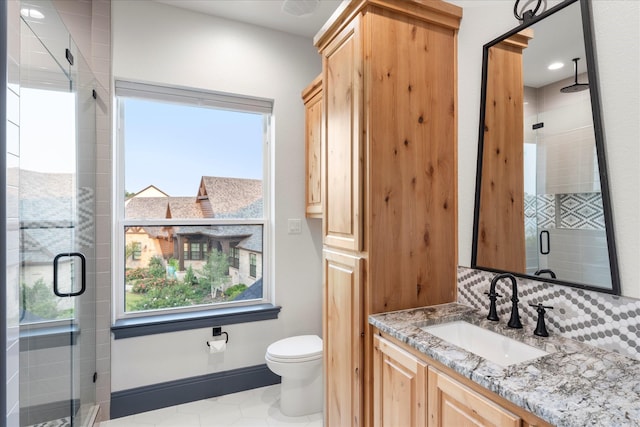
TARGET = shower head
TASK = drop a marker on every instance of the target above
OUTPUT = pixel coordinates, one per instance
(575, 87)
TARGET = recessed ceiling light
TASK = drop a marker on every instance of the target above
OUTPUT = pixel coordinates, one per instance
(299, 8)
(555, 66)
(31, 13)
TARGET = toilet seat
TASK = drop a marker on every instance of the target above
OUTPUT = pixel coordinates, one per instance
(302, 348)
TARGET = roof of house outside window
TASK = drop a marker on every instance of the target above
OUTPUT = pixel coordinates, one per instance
(217, 197)
(252, 292)
(228, 195)
(151, 191)
(252, 243)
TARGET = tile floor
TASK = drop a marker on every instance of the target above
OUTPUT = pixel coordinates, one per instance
(252, 408)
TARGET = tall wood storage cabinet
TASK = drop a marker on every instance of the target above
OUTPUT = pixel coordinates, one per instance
(312, 98)
(389, 179)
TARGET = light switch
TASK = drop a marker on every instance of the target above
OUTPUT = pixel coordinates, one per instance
(295, 226)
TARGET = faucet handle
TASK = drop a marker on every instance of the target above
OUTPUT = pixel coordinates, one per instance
(541, 329)
(493, 312)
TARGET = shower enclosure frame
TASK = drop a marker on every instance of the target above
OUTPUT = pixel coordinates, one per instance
(71, 339)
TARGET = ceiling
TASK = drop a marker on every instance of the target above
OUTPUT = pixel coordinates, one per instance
(557, 38)
(264, 13)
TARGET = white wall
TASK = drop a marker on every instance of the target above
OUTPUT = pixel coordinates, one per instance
(158, 43)
(617, 33)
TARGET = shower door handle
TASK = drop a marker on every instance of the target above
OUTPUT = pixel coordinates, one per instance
(83, 274)
(544, 251)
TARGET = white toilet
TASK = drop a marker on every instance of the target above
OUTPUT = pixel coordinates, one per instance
(298, 360)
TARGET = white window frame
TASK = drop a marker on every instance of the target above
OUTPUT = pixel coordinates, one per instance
(194, 97)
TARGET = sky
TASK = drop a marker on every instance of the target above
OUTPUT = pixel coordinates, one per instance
(47, 135)
(171, 146)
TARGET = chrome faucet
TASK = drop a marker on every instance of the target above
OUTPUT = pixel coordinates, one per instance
(514, 321)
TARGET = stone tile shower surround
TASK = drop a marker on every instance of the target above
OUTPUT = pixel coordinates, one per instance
(603, 320)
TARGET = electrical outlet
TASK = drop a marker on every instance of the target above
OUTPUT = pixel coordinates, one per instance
(295, 226)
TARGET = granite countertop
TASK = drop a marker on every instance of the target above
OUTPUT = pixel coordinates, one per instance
(575, 385)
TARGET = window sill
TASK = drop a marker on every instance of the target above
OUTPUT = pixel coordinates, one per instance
(160, 324)
(48, 337)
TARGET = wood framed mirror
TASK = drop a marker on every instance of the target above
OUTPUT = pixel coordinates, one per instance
(542, 207)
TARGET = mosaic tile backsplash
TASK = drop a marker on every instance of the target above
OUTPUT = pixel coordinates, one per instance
(603, 320)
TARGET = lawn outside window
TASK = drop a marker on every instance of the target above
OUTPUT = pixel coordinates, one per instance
(192, 201)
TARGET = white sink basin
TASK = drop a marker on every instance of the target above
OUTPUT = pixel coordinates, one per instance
(497, 348)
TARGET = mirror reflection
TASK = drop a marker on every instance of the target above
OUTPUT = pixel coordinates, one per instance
(541, 201)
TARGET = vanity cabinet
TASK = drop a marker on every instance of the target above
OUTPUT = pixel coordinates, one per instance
(453, 404)
(399, 386)
(312, 99)
(390, 163)
(412, 389)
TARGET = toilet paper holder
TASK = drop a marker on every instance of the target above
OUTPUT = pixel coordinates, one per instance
(217, 331)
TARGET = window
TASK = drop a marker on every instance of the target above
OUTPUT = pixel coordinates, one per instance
(252, 265)
(196, 252)
(136, 252)
(192, 166)
(234, 257)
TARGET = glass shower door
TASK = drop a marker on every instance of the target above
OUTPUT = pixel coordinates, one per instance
(57, 251)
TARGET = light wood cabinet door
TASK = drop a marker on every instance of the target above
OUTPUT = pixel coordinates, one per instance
(343, 338)
(342, 79)
(312, 98)
(452, 404)
(399, 386)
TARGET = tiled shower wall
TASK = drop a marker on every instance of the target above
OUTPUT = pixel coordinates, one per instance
(577, 236)
(567, 203)
(599, 319)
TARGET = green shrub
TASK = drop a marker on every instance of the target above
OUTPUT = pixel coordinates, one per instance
(156, 266)
(135, 273)
(40, 301)
(190, 277)
(176, 294)
(235, 290)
